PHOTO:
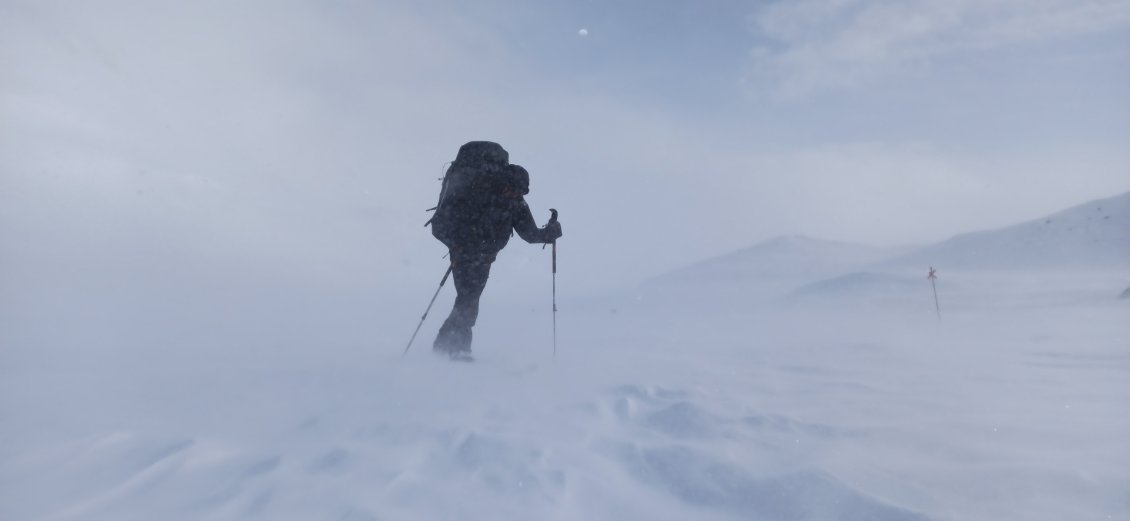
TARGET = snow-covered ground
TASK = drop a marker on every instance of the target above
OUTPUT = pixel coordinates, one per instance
(846, 398)
(1010, 410)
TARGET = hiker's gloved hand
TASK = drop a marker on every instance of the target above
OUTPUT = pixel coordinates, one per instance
(552, 231)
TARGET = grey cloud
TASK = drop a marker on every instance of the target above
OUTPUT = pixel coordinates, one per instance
(815, 45)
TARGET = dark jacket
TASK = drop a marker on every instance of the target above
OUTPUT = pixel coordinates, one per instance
(483, 224)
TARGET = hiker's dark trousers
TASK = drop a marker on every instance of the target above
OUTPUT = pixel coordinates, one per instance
(471, 273)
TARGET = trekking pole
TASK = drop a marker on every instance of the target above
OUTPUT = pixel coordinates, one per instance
(553, 219)
(417, 331)
(932, 276)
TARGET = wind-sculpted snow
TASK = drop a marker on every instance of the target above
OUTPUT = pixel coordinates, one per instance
(697, 478)
(680, 459)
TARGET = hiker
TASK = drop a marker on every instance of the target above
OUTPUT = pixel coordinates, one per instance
(481, 205)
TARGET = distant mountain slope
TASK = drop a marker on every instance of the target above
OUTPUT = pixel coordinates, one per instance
(792, 256)
(1091, 235)
(773, 267)
(1095, 235)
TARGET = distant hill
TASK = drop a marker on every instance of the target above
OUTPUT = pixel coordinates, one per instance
(771, 268)
(1091, 235)
(862, 282)
(1095, 235)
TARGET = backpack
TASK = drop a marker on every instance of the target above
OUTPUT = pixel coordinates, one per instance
(479, 171)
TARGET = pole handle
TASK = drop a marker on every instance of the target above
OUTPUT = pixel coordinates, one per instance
(552, 219)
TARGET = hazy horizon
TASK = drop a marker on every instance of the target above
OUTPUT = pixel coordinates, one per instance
(301, 141)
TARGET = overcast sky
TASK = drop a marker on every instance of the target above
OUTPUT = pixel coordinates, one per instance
(149, 141)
